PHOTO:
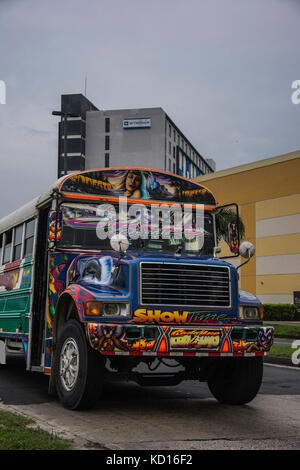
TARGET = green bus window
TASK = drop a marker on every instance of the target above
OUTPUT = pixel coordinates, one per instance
(29, 237)
(17, 251)
(7, 247)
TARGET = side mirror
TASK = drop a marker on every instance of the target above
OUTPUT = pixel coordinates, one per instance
(119, 242)
(247, 250)
(229, 228)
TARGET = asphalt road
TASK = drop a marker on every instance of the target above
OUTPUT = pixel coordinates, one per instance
(184, 417)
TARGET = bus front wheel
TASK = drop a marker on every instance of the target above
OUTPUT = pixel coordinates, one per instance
(78, 369)
(236, 381)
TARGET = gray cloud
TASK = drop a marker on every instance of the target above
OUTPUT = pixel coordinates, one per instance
(221, 70)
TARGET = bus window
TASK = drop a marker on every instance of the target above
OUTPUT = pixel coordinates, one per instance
(29, 237)
(7, 247)
(18, 243)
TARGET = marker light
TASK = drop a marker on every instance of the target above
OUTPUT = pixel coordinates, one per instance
(93, 308)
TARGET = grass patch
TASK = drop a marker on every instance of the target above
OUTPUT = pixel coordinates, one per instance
(16, 435)
(280, 350)
(286, 331)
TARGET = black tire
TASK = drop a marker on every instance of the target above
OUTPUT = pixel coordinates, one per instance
(79, 380)
(236, 380)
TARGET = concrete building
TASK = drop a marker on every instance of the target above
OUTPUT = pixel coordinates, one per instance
(145, 137)
(268, 194)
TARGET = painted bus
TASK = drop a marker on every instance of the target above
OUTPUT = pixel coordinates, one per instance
(83, 304)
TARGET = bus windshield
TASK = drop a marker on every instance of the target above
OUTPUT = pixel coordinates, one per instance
(86, 226)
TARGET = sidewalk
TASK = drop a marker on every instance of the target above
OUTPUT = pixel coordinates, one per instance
(291, 323)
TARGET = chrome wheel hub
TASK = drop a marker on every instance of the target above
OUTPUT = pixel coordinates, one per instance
(69, 364)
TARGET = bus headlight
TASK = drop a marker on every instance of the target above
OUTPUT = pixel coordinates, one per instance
(249, 313)
(115, 309)
(107, 309)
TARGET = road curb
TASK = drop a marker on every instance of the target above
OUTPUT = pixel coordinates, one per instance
(282, 361)
(76, 442)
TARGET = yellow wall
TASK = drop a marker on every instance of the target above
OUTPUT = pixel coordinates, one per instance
(264, 190)
(278, 207)
(280, 245)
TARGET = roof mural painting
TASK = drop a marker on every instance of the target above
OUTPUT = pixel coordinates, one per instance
(137, 183)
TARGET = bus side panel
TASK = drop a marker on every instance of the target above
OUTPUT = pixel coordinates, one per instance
(58, 266)
(15, 294)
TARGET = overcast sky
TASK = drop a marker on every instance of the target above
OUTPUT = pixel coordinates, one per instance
(222, 70)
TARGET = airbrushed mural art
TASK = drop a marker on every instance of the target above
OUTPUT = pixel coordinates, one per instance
(89, 278)
(138, 184)
(14, 276)
(117, 339)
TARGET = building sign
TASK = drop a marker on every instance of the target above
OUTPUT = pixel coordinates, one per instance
(136, 123)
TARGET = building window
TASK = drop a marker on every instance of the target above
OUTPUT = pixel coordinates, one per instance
(107, 142)
(107, 124)
(170, 131)
(169, 164)
(17, 251)
(7, 247)
(29, 237)
(107, 160)
(169, 147)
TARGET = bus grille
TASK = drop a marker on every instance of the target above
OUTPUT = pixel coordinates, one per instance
(185, 285)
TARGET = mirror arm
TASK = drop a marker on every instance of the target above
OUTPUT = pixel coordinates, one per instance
(217, 249)
(115, 268)
(245, 262)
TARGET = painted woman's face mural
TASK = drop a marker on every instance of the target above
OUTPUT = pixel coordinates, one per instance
(138, 184)
(133, 184)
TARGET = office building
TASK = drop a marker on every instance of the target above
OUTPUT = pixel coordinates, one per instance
(145, 137)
